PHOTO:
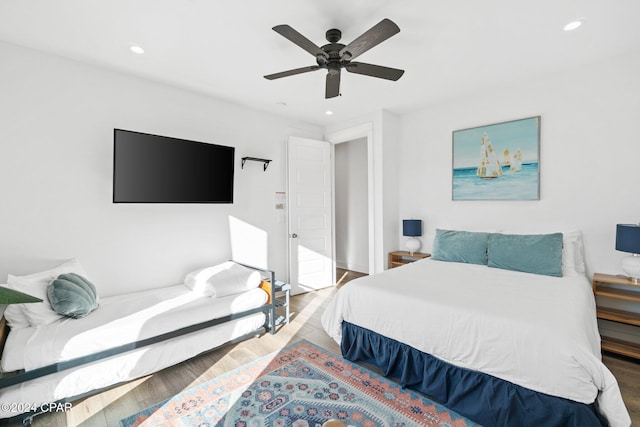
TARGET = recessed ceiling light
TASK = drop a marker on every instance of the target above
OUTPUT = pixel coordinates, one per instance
(136, 49)
(328, 112)
(573, 25)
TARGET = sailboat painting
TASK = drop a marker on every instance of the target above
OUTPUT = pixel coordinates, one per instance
(498, 161)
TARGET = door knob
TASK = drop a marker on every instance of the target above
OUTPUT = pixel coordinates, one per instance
(294, 235)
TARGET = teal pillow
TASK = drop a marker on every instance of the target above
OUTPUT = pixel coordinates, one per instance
(530, 253)
(72, 295)
(460, 246)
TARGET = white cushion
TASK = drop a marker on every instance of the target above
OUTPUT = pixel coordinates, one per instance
(223, 279)
(41, 313)
(572, 254)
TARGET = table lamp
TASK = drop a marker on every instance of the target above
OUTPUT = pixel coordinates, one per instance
(412, 228)
(628, 240)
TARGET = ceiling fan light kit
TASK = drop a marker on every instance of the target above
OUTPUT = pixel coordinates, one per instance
(335, 56)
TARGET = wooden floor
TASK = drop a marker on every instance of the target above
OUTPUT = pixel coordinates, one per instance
(108, 408)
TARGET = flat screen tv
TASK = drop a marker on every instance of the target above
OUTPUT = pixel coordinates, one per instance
(159, 169)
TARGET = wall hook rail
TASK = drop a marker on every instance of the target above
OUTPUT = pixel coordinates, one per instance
(256, 159)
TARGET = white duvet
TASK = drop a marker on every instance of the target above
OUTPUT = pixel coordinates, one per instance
(121, 320)
(536, 331)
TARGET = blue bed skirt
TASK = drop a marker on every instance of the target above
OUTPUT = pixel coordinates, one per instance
(480, 397)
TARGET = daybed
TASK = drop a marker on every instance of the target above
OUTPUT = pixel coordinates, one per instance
(127, 337)
(501, 347)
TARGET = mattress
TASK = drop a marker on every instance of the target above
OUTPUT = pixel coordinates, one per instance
(536, 331)
(120, 320)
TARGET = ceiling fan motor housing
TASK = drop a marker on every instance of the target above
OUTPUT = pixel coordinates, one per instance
(334, 56)
(333, 61)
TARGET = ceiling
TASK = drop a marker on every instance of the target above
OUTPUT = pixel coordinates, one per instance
(223, 48)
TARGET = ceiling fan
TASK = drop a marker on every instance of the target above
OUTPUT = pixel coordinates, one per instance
(335, 56)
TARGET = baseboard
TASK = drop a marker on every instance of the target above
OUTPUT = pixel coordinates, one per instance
(360, 268)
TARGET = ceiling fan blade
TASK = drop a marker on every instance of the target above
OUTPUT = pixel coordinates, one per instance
(374, 36)
(333, 85)
(374, 70)
(289, 33)
(292, 72)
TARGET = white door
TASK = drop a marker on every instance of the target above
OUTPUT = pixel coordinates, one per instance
(310, 202)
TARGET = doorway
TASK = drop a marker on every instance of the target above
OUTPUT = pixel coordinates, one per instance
(351, 206)
(363, 132)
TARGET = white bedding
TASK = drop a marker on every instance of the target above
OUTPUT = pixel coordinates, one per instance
(536, 331)
(120, 320)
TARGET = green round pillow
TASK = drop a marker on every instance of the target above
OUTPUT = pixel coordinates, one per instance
(72, 295)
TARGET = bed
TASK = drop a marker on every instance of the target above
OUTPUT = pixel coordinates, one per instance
(128, 337)
(500, 346)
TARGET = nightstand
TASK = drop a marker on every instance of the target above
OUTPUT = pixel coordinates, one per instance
(625, 290)
(281, 301)
(398, 258)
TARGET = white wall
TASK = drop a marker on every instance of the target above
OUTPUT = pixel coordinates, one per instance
(56, 144)
(390, 182)
(351, 205)
(590, 150)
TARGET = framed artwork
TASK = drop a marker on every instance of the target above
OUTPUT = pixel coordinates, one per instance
(497, 162)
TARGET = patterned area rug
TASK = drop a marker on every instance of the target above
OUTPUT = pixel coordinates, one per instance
(301, 386)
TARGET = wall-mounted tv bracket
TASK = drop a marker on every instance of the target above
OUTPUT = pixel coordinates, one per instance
(255, 159)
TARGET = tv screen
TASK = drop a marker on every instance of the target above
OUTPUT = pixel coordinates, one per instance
(158, 169)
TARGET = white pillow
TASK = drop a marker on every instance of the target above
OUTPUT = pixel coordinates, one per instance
(41, 313)
(223, 279)
(572, 254)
